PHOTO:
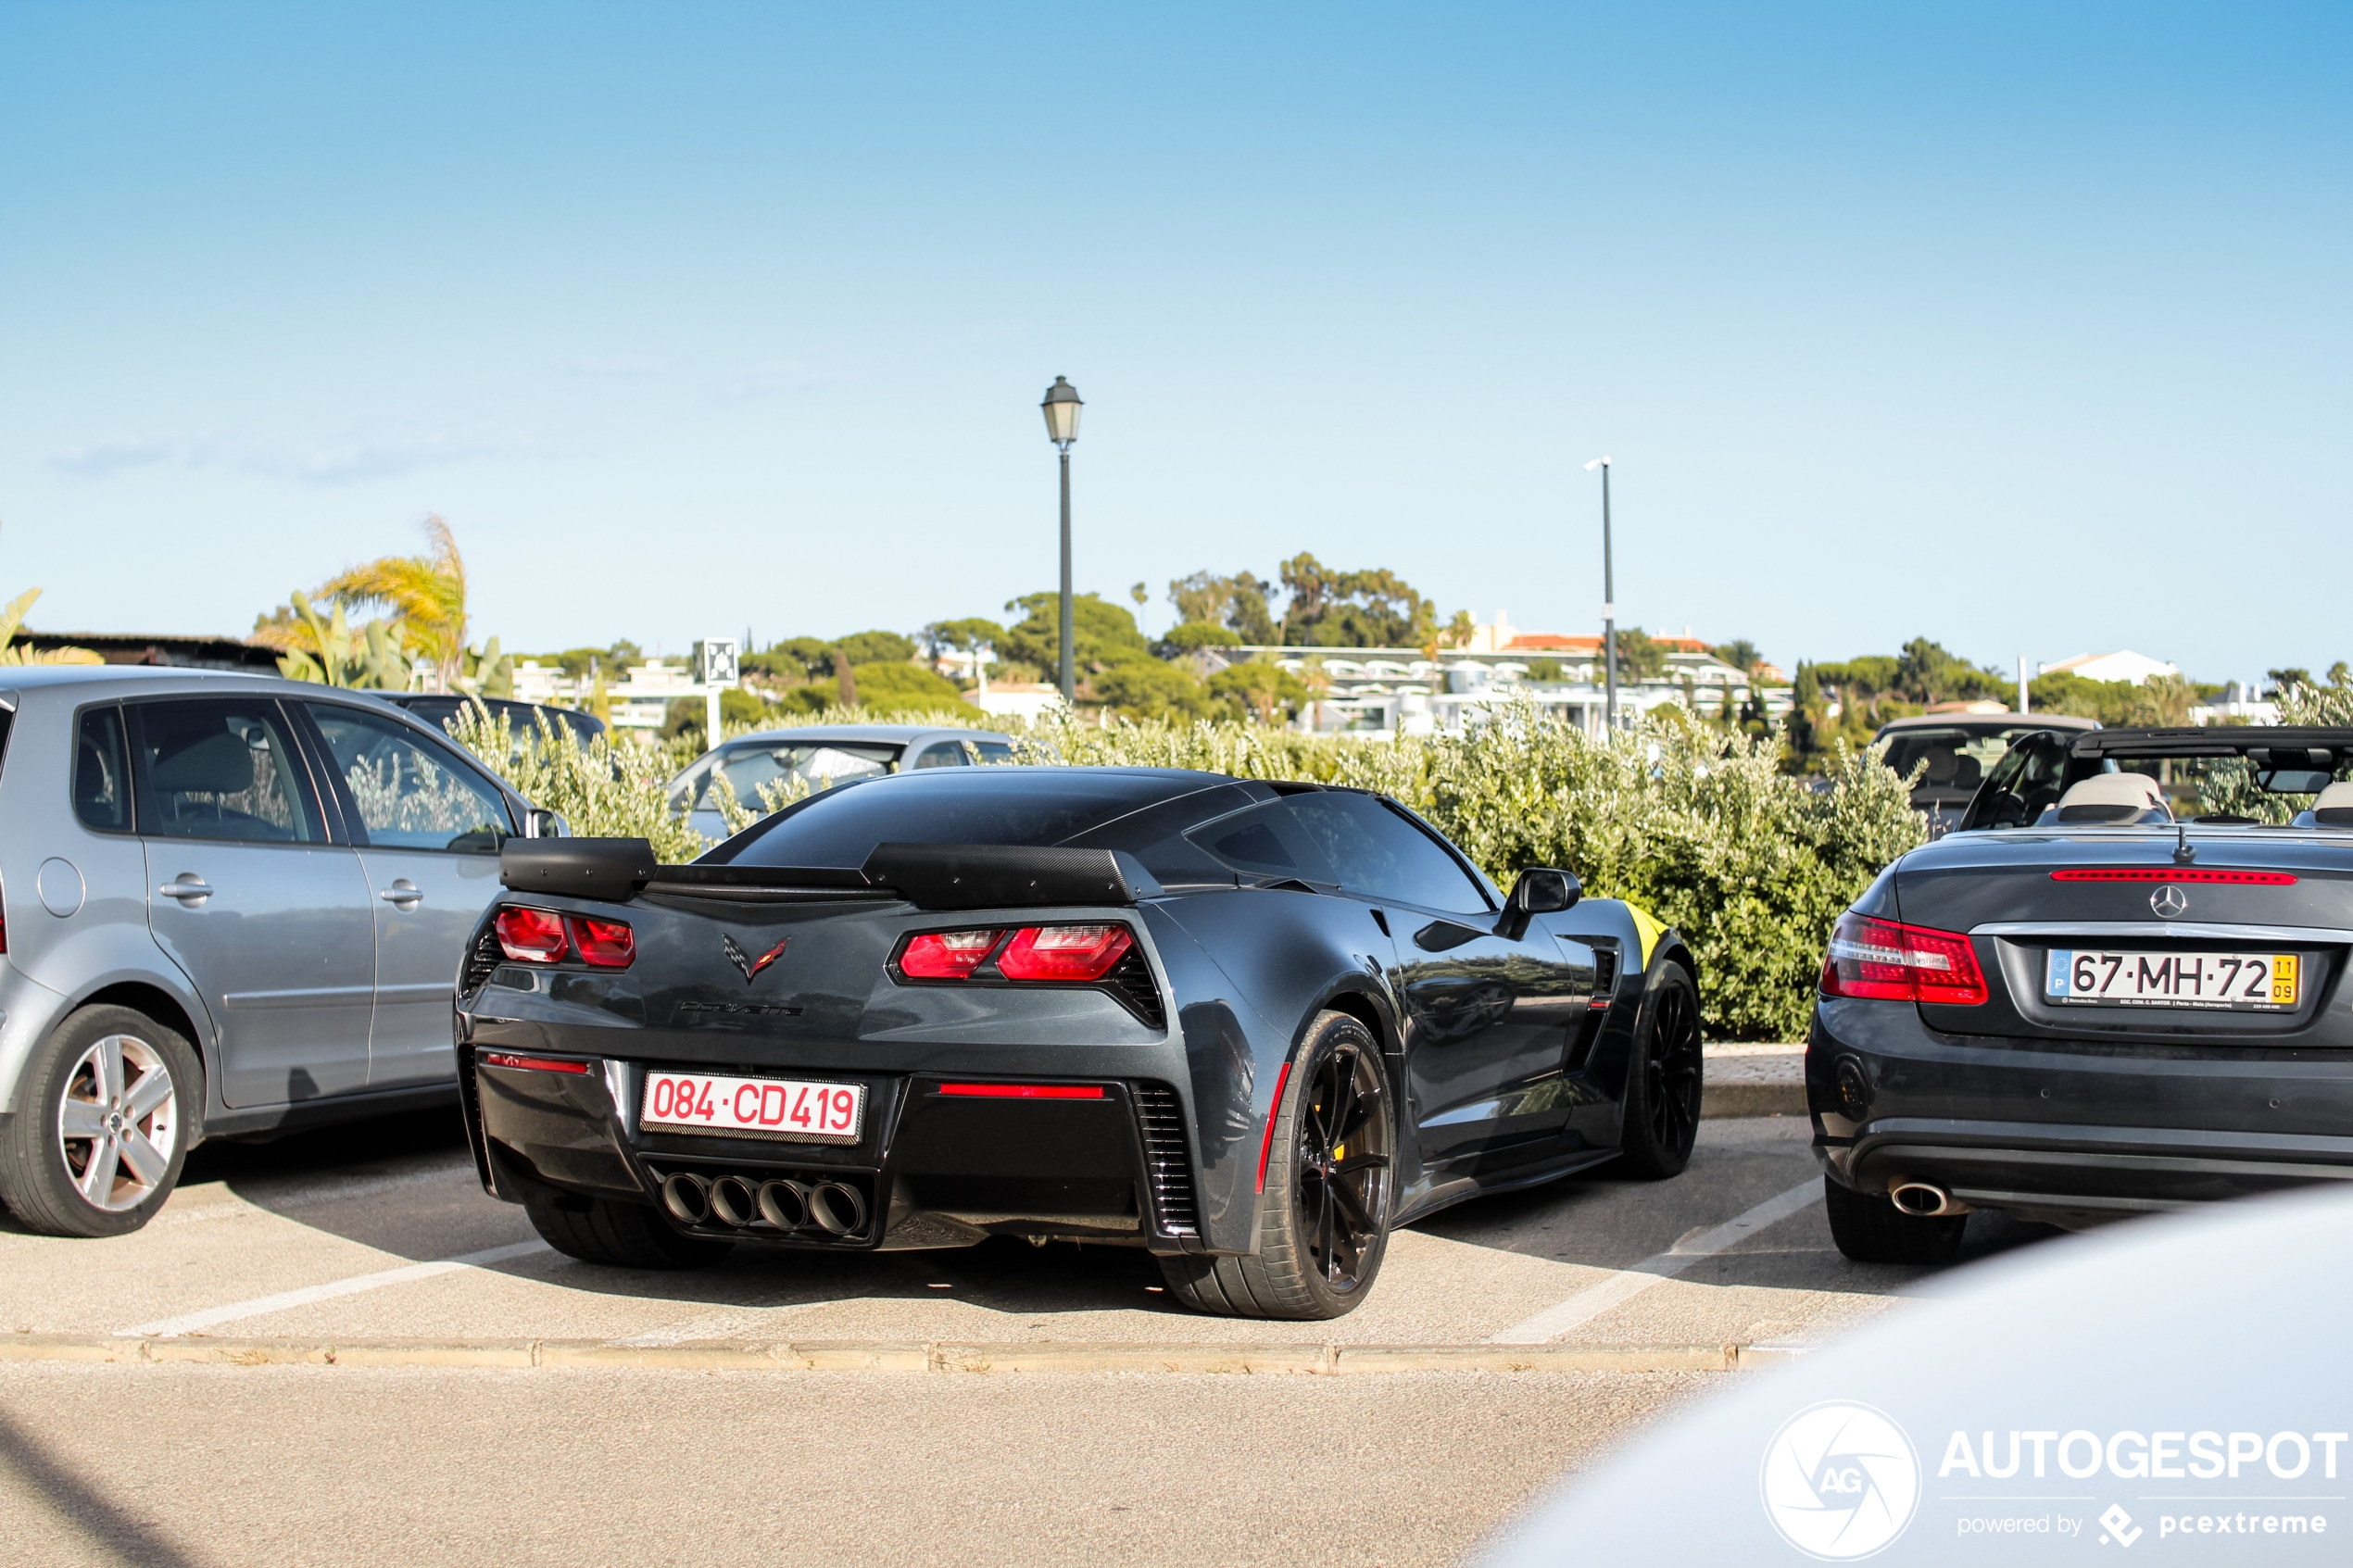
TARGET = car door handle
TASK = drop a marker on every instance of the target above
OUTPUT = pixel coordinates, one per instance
(403, 894)
(188, 888)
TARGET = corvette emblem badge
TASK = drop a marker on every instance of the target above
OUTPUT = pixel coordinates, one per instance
(750, 966)
(2168, 901)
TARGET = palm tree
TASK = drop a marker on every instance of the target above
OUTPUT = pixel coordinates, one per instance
(12, 619)
(426, 595)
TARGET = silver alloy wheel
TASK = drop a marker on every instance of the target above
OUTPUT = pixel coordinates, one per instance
(119, 1123)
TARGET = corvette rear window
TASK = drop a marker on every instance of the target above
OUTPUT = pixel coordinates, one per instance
(1032, 808)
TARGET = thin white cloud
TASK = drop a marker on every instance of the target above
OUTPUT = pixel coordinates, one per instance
(363, 451)
(119, 454)
(772, 377)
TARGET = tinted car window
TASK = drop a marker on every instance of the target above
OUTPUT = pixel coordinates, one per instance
(992, 750)
(2021, 784)
(1377, 853)
(211, 768)
(410, 793)
(1264, 841)
(945, 754)
(941, 806)
(784, 769)
(102, 773)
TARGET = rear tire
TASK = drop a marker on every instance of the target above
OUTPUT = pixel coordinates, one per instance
(109, 1105)
(1871, 1229)
(1663, 1081)
(1322, 1221)
(621, 1235)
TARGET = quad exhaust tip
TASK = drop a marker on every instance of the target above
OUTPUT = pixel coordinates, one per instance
(733, 1203)
(836, 1209)
(1925, 1200)
(687, 1197)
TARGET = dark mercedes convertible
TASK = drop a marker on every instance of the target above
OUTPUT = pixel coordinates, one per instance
(1250, 1027)
(2118, 986)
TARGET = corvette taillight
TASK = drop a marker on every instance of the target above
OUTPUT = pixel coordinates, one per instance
(529, 935)
(601, 944)
(1078, 955)
(1883, 961)
(1063, 952)
(945, 955)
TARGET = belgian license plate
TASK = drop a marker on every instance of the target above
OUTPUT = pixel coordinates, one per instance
(2266, 981)
(789, 1108)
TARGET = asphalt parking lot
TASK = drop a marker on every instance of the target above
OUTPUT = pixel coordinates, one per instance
(461, 1378)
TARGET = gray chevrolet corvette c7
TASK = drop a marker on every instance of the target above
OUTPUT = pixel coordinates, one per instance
(1248, 1027)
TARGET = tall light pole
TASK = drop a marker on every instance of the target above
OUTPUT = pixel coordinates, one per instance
(1609, 600)
(1062, 407)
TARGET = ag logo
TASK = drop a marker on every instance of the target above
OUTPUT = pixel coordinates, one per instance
(1839, 1481)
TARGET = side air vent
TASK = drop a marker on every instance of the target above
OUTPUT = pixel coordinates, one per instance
(481, 958)
(1605, 971)
(1168, 1165)
(1131, 980)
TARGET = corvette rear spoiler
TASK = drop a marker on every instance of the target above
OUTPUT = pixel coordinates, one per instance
(930, 876)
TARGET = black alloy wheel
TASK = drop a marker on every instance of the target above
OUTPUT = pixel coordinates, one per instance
(1323, 1217)
(1340, 1190)
(1665, 1079)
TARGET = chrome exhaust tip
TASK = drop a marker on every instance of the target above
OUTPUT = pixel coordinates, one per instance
(1925, 1200)
(734, 1202)
(784, 1204)
(687, 1197)
(838, 1209)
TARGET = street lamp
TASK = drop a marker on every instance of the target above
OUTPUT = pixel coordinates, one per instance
(1609, 600)
(1061, 407)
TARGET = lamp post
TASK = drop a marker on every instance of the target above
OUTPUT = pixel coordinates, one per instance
(1061, 407)
(1609, 602)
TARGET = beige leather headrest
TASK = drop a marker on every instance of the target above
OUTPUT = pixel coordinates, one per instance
(2333, 808)
(2112, 797)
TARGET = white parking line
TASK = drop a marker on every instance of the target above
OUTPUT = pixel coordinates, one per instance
(191, 1323)
(1594, 1300)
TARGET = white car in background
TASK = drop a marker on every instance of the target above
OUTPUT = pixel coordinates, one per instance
(817, 756)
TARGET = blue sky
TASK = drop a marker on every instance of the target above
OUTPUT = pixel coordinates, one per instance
(2024, 328)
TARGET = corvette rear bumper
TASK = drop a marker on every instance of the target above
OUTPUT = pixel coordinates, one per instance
(930, 1169)
(2059, 1130)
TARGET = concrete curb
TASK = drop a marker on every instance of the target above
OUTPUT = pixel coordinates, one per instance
(1752, 1099)
(1039, 1356)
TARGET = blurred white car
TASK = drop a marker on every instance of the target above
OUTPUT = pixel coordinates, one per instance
(2174, 1387)
(817, 756)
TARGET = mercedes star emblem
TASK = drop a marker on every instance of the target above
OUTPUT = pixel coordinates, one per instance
(2168, 901)
(750, 966)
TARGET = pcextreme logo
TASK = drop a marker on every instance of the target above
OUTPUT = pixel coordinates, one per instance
(1839, 1481)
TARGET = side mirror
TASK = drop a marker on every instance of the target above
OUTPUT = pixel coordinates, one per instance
(1541, 890)
(540, 822)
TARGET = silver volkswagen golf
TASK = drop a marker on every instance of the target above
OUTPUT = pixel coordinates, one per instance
(229, 904)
